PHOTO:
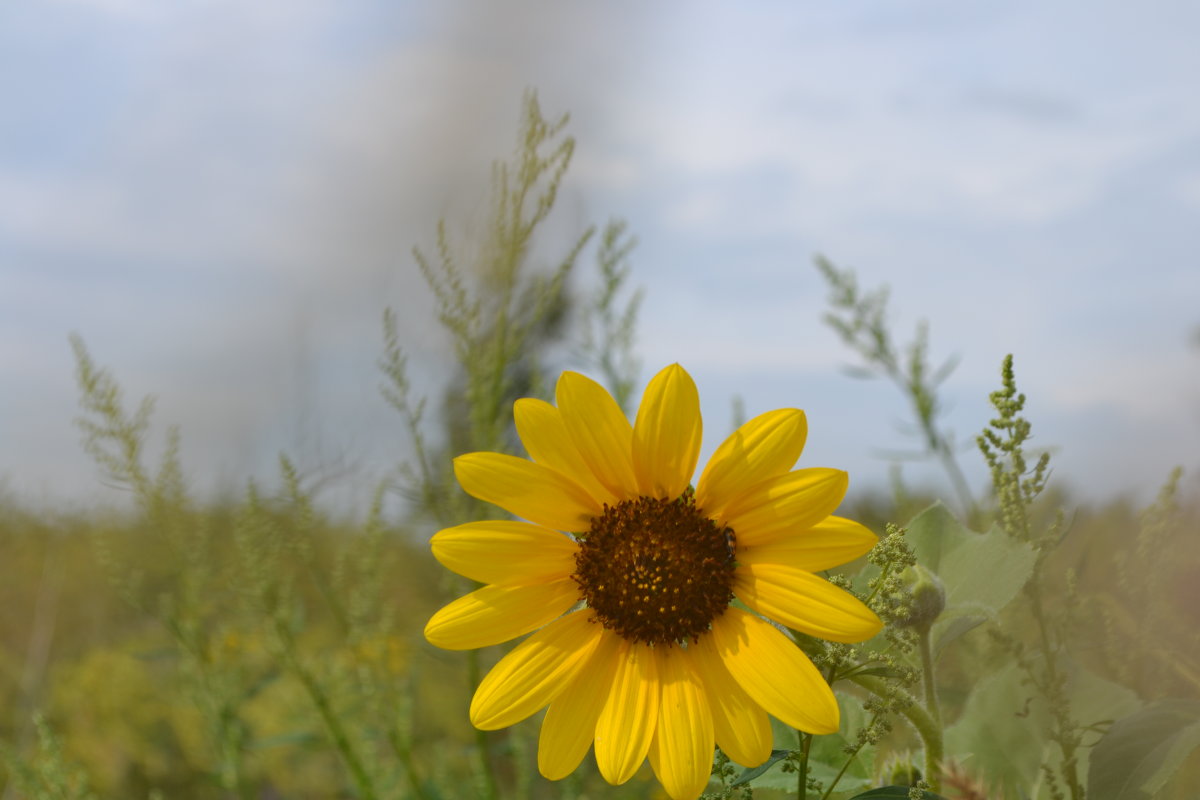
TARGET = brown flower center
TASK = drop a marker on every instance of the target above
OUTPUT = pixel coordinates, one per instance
(656, 571)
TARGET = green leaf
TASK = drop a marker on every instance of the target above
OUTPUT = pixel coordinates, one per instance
(1094, 699)
(1140, 753)
(894, 793)
(880, 671)
(1003, 731)
(826, 757)
(954, 624)
(982, 572)
(750, 773)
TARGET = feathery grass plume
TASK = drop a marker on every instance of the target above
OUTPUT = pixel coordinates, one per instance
(505, 319)
(860, 318)
(265, 616)
(1044, 660)
(192, 605)
(609, 327)
(48, 774)
(1150, 637)
(1015, 484)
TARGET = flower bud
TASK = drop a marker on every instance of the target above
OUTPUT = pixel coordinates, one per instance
(928, 599)
(901, 771)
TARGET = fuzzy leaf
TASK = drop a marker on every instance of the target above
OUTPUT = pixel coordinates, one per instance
(1003, 731)
(1139, 754)
(751, 773)
(982, 572)
(894, 793)
(881, 671)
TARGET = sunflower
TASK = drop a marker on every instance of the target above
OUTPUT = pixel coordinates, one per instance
(628, 574)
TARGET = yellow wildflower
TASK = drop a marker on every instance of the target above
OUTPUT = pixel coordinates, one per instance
(627, 576)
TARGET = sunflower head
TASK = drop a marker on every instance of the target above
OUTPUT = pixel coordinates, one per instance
(626, 575)
(656, 570)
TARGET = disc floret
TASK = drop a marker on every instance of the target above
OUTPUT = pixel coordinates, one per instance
(655, 570)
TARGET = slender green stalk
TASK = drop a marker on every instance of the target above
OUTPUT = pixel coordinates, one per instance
(482, 743)
(1054, 693)
(933, 766)
(958, 479)
(802, 782)
(404, 752)
(231, 773)
(929, 729)
(836, 778)
(341, 740)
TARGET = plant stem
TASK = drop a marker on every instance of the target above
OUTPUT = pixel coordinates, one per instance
(833, 784)
(482, 743)
(341, 740)
(1054, 692)
(404, 752)
(802, 782)
(933, 766)
(926, 727)
(957, 478)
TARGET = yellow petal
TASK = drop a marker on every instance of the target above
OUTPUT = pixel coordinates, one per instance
(570, 723)
(527, 490)
(600, 432)
(626, 725)
(785, 504)
(541, 429)
(682, 752)
(495, 614)
(666, 435)
(505, 553)
(832, 541)
(774, 672)
(762, 448)
(805, 602)
(742, 728)
(533, 674)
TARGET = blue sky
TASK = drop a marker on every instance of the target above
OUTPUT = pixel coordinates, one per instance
(221, 197)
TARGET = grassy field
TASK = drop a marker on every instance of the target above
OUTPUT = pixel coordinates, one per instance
(270, 652)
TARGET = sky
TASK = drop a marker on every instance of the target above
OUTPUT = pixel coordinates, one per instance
(222, 197)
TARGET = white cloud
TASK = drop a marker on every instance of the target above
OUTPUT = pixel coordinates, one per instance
(283, 171)
(900, 121)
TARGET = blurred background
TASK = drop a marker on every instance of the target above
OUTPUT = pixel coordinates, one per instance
(221, 198)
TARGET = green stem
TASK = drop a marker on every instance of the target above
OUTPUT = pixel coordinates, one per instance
(925, 725)
(341, 740)
(802, 782)
(933, 765)
(402, 750)
(957, 478)
(1054, 693)
(482, 743)
(842, 771)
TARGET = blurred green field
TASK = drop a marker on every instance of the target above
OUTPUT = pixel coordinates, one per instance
(158, 662)
(152, 664)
